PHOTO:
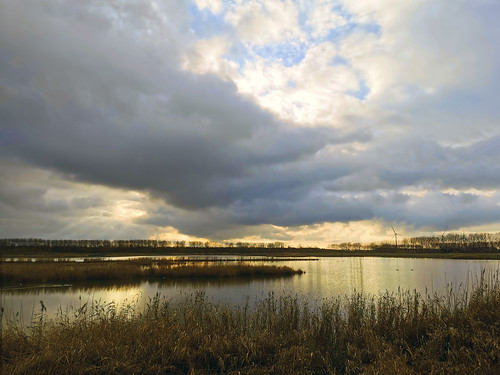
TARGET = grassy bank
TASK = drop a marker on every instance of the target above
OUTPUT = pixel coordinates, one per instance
(49, 271)
(401, 333)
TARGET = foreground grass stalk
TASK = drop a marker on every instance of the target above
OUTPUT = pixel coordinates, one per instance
(399, 333)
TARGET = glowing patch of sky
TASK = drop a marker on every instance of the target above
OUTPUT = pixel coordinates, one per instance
(205, 24)
(370, 28)
(240, 54)
(304, 16)
(334, 34)
(302, 19)
(338, 60)
(288, 53)
(362, 91)
(343, 31)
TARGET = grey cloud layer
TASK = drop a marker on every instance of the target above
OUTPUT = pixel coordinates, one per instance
(139, 125)
(100, 104)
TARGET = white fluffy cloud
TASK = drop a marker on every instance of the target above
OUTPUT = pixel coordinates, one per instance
(257, 21)
(215, 6)
(323, 18)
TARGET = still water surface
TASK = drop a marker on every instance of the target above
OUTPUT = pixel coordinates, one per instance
(324, 278)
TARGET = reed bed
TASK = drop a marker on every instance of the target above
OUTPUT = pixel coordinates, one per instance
(15, 273)
(394, 333)
(164, 260)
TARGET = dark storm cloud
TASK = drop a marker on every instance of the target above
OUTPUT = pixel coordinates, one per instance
(438, 210)
(108, 110)
(473, 166)
(186, 156)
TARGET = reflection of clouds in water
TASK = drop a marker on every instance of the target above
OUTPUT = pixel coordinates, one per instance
(71, 289)
(25, 303)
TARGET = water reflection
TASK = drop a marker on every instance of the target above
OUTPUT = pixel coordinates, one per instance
(324, 278)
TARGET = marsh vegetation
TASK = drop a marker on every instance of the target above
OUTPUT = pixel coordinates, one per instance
(66, 271)
(393, 333)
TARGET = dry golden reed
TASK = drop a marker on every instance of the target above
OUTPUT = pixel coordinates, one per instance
(49, 271)
(394, 333)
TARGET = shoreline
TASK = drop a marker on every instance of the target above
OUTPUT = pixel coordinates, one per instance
(26, 252)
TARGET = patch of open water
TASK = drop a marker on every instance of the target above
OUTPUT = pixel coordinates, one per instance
(324, 278)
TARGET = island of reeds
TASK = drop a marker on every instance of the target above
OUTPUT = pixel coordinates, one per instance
(93, 270)
(398, 333)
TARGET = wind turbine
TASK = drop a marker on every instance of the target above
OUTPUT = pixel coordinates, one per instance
(395, 236)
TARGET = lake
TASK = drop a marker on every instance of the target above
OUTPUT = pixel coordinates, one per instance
(324, 278)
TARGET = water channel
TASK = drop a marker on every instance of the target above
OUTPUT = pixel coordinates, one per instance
(324, 278)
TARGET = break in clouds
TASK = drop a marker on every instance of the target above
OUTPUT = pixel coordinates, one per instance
(217, 120)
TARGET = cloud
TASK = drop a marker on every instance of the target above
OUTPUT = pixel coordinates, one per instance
(188, 119)
(250, 18)
(215, 6)
(188, 139)
(323, 19)
(35, 202)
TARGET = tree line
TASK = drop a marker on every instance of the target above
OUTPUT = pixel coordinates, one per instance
(450, 242)
(470, 242)
(133, 243)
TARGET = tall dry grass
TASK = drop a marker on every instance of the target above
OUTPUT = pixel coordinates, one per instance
(394, 333)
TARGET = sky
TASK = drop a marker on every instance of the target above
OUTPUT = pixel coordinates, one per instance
(308, 122)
